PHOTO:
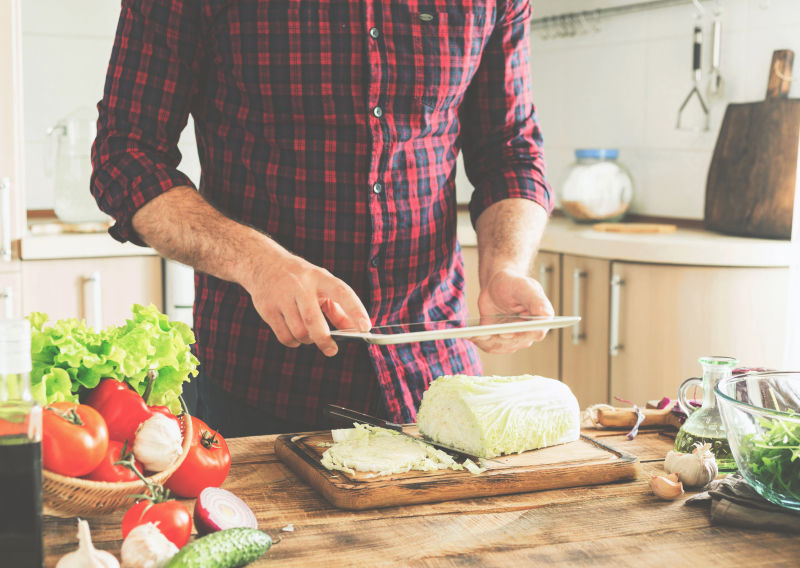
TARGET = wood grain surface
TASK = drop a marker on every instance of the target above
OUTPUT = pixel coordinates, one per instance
(753, 172)
(620, 524)
(584, 462)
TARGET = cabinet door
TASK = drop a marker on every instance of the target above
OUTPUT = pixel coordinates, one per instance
(669, 316)
(584, 347)
(542, 357)
(70, 288)
(10, 295)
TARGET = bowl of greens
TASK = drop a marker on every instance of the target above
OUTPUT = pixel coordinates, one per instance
(761, 412)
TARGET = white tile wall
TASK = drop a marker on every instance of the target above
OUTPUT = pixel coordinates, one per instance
(622, 87)
(66, 47)
(618, 87)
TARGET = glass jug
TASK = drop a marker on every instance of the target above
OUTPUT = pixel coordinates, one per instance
(69, 162)
(704, 424)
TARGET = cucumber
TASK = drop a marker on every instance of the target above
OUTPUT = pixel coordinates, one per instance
(223, 549)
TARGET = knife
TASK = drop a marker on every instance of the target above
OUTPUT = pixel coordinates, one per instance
(343, 414)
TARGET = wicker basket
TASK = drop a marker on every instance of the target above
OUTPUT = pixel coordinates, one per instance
(64, 496)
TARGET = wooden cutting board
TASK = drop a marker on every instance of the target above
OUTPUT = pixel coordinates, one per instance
(754, 170)
(584, 462)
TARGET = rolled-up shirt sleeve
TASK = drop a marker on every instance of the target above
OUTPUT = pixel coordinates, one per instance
(151, 80)
(501, 139)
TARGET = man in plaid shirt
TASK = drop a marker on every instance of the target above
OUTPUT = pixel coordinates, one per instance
(328, 133)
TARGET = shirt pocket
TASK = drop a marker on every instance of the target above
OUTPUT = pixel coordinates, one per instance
(447, 47)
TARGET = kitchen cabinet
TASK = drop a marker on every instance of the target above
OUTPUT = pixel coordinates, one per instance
(543, 357)
(584, 347)
(644, 325)
(99, 290)
(669, 316)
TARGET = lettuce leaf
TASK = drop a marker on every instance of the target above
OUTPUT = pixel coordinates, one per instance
(68, 355)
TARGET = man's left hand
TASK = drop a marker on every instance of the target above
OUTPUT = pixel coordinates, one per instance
(510, 292)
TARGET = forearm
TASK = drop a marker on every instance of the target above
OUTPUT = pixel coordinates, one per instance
(509, 233)
(181, 225)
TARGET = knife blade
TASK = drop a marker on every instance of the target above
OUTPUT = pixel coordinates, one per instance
(349, 416)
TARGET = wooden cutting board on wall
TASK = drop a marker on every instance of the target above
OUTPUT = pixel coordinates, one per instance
(754, 171)
(584, 462)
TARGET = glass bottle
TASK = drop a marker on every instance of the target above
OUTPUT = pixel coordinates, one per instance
(704, 424)
(20, 451)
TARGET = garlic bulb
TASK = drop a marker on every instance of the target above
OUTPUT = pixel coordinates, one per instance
(695, 469)
(147, 547)
(87, 556)
(158, 443)
(666, 487)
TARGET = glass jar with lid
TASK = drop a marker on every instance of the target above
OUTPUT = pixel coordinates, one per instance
(597, 187)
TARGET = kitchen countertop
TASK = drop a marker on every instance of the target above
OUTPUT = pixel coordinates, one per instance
(77, 245)
(684, 247)
(620, 524)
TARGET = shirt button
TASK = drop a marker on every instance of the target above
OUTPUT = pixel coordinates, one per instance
(374, 262)
(377, 187)
(377, 111)
(374, 33)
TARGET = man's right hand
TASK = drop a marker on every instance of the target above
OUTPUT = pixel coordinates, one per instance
(293, 297)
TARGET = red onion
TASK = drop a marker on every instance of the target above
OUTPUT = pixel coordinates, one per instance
(218, 509)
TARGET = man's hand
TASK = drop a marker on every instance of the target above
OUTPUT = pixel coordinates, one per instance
(294, 296)
(509, 232)
(510, 292)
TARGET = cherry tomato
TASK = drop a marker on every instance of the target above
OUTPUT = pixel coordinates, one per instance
(122, 408)
(171, 518)
(206, 464)
(74, 438)
(108, 471)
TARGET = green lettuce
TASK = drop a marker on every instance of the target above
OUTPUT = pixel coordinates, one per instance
(68, 356)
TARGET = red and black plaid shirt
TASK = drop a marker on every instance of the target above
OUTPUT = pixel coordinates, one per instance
(333, 126)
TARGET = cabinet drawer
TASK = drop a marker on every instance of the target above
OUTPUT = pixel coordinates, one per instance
(69, 288)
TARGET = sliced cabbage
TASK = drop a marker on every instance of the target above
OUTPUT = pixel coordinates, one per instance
(491, 416)
(383, 452)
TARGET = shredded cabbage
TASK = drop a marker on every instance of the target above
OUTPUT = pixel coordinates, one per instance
(383, 452)
(491, 416)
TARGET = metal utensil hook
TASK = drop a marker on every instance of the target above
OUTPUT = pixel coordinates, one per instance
(698, 75)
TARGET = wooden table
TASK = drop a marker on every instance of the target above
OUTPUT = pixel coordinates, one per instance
(621, 524)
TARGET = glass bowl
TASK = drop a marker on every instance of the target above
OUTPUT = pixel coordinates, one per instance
(761, 412)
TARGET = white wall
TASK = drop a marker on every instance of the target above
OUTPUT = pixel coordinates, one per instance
(619, 87)
(622, 86)
(66, 45)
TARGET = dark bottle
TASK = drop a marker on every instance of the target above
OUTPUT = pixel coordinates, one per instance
(20, 451)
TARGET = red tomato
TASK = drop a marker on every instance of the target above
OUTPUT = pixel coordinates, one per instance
(206, 465)
(108, 471)
(171, 518)
(122, 408)
(74, 438)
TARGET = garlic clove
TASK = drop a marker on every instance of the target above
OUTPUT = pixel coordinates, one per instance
(666, 488)
(87, 556)
(672, 477)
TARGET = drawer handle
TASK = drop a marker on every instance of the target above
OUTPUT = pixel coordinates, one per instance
(5, 219)
(544, 270)
(577, 334)
(92, 300)
(7, 296)
(614, 345)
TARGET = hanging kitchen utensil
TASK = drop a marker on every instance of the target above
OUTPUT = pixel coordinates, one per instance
(754, 170)
(698, 76)
(715, 81)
